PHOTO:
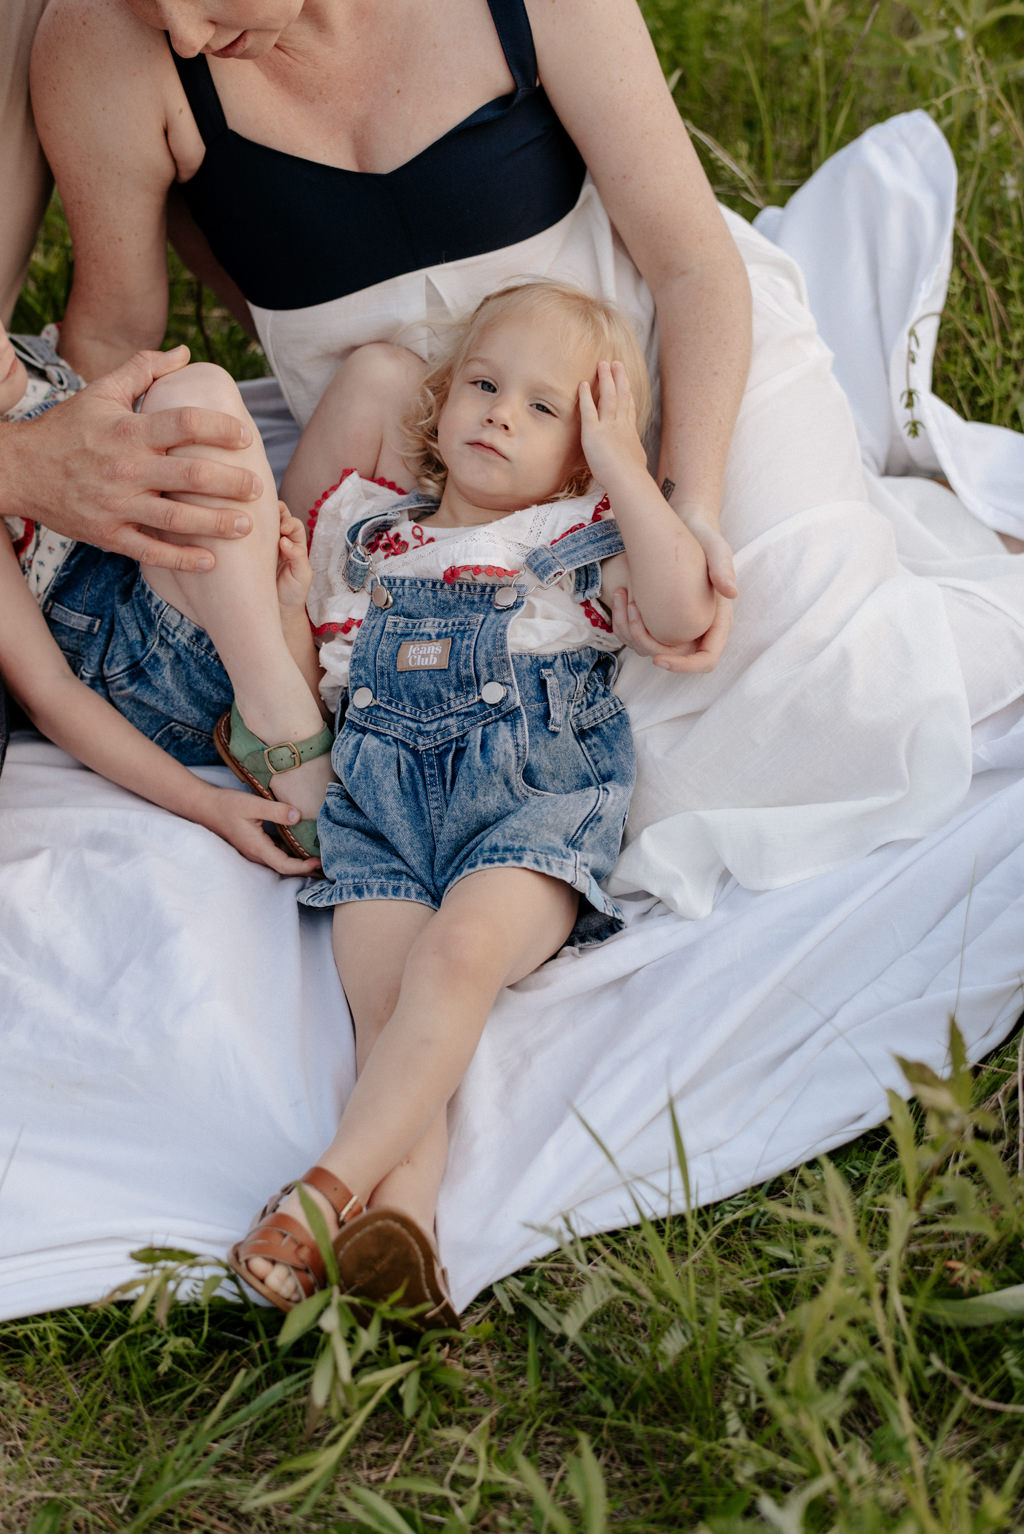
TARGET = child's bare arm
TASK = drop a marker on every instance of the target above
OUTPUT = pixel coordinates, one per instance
(73, 716)
(664, 567)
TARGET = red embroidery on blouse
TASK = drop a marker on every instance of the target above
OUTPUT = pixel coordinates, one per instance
(320, 629)
(314, 513)
(387, 543)
(391, 543)
(24, 538)
(456, 572)
(603, 505)
(595, 615)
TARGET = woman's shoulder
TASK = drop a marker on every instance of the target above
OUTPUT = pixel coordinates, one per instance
(98, 51)
(94, 28)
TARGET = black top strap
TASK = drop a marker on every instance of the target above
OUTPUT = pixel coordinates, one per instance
(512, 25)
(197, 83)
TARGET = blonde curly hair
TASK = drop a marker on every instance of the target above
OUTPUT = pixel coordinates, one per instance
(583, 320)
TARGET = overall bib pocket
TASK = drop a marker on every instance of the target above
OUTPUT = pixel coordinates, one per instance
(424, 668)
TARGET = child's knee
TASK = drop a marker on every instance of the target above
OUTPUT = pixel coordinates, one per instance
(202, 385)
(384, 369)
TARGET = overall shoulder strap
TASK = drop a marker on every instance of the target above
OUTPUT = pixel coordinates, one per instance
(584, 546)
(358, 560)
(578, 553)
(38, 352)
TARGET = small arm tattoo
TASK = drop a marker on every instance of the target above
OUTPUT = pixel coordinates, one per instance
(667, 487)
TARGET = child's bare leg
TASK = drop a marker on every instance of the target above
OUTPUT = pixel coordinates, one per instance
(356, 425)
(493, 928)
(378, 935)
(236, 602)
(413, 1183)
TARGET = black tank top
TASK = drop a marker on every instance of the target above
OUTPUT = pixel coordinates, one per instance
(291, 232)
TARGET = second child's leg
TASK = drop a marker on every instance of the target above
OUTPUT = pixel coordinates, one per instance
(357, 425)
(418, 1023)
(237, 603)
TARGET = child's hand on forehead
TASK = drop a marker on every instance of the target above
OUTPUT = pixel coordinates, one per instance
(608, 431)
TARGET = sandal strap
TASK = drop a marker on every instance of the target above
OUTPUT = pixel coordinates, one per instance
(265, 762)
(341, 1198)
(281, 1239)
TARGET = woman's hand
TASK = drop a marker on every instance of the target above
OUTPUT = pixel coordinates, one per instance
(93, 470)
(703, 654)
(294, 572)
(238, 817)
(717, 552)
(708, 650)
(700, 655)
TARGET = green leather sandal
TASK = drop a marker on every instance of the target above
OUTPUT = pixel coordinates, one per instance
(255, 764)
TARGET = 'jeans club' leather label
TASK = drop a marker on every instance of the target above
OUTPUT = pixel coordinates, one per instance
(424, 655)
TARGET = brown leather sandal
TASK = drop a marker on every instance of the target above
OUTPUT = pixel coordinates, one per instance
(280, 1238)
(383, 1253)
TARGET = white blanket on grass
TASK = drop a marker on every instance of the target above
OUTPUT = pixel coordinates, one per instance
(175, 1042)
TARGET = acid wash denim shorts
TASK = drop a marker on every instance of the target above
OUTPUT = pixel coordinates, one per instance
(482, 760)
(157, 667)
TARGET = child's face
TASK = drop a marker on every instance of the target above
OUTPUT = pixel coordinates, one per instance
(13, 378)
(509, 432)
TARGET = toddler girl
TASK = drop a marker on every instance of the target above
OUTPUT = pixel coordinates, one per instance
(484, 765)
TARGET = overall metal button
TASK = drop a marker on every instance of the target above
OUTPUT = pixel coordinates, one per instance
(362, 697)
(505, 596)
(492, 692)
(381, 597)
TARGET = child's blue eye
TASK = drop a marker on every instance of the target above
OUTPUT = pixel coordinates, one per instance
(485, 384)
(545, 409)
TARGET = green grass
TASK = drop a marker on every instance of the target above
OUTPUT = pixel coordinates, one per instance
(838, 1351)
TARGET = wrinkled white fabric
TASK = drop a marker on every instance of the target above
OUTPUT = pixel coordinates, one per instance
(873, 232)
(175, 1043)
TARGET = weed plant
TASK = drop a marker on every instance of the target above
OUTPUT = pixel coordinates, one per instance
(840, 1350)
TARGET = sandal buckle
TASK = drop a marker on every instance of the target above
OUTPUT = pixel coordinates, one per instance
(285, 745)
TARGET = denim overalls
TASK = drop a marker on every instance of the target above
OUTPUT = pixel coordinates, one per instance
(456, 755)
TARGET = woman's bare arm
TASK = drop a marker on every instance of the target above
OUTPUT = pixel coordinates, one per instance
(99, 94)
(600, 70)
